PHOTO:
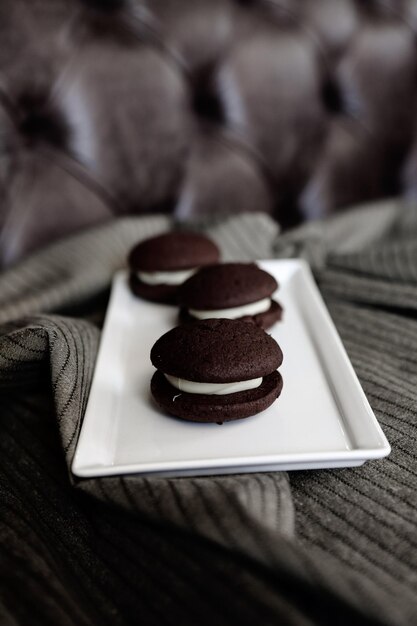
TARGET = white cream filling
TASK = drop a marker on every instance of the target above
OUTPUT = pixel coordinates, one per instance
(217, 389)
(166, 278)
(260, 306)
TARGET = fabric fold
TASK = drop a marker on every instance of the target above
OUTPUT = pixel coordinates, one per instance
(324, 547)
(65, 349)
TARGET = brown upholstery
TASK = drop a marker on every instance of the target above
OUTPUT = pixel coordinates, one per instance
(107, 107)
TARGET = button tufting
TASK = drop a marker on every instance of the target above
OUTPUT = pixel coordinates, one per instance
(197, 106)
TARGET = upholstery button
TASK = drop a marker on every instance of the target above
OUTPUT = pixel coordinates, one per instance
(331, 95)
(39, 122)
(206, 102)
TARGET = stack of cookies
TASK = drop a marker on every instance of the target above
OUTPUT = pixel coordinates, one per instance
(218, 364)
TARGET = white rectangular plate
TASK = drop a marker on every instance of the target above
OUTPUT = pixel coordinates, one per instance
(322, 418)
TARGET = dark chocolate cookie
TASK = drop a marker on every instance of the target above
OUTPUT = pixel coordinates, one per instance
(216, 351)
(159, 265)
(219, 351)
(173, 251)
(226, 286)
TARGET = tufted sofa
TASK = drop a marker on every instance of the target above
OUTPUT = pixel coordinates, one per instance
(110, 107)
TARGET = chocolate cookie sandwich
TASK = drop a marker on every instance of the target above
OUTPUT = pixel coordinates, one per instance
(160, 264)
(230, 290)
(216, 370)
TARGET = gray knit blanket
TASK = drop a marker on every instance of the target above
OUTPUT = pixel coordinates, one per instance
(318, 547)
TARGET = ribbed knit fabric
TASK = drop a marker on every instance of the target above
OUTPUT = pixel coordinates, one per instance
(209, 549)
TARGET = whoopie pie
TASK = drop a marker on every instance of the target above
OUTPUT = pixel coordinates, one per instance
(216, 370)
(160, 264)
(230, 290)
